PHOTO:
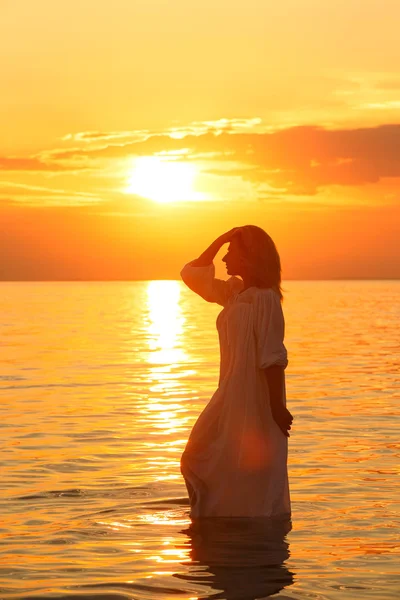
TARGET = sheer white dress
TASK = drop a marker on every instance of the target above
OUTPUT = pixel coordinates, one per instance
(235, 461)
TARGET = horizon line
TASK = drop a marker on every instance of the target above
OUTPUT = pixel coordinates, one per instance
(180, 280)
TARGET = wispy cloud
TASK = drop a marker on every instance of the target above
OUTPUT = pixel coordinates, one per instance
(297, 160)
(52, 196)
(386, 105)
(11, 163)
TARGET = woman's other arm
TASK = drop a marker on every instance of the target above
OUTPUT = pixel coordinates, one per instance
(282, 417)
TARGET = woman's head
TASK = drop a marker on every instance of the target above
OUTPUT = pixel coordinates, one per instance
(253, 254)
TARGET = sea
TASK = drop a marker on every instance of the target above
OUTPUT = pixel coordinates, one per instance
(100, 384)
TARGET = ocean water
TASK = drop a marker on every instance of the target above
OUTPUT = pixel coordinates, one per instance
(100, 384)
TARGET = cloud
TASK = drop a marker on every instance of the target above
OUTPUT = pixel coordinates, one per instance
(99, 136)
(27, 164)
(196, 127)
(42, 163)
(304, 159)
(385, 105)
(295, 160)
(34, 194)
(38, 190)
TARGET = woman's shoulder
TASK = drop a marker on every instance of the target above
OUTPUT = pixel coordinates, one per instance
(235, 284)
(258, 297)
(265, 298)
(260, 293)
(270, 292)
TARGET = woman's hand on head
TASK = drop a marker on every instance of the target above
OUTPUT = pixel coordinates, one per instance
(225, 238)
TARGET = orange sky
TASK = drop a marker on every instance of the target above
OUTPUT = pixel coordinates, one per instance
(134, 133)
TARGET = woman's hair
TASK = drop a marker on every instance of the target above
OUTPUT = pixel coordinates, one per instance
(261, 257)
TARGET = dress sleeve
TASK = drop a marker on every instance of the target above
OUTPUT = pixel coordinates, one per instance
(269, 330)
(202, 281)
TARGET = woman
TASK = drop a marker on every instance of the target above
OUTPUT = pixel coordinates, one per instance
(235, 461)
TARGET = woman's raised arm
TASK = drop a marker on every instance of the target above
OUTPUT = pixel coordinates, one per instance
(199, 274)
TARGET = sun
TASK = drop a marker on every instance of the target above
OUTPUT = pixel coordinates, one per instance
(163, 181)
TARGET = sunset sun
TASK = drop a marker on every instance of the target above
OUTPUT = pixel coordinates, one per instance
(163, 181)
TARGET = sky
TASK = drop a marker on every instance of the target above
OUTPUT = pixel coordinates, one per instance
(133, 133)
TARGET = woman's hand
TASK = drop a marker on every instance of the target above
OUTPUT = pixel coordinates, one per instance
(282, 418)
(225, 238)
(208, 255)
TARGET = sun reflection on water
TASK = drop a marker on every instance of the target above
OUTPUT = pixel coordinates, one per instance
(163, 410)
(166, 322)
(164, 518)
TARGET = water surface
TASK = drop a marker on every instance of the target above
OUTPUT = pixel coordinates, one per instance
(100, 384)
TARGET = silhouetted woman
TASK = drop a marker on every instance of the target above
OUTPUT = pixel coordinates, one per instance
(235, 461)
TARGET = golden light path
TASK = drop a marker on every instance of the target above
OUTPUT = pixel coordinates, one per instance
(164, 413)
(166, 321)
(164, 180)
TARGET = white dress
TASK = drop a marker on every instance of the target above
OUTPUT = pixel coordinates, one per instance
(235, 461)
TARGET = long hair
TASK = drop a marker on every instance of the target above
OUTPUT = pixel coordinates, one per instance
(261, 257)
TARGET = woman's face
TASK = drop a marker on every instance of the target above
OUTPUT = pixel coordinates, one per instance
(232, 259)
